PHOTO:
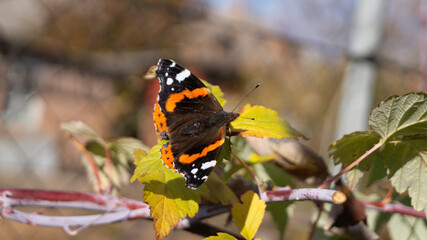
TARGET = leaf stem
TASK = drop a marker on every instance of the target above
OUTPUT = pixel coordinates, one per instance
(109, 169)
(250, 171)
(89, 157)
(356, 162)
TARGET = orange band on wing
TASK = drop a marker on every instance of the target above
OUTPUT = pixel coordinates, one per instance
(177, 97)
(186, 159)
(167, 156)
(159, 119)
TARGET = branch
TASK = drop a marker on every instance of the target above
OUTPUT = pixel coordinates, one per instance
(117, 209)
(394, 208)
(314, 194)
(114, 209)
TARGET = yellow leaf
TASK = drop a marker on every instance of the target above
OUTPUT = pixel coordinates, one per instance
(169, 203)
(165, 191)
(255, 158)
(139, 154)
(221, 236)
(216, 91)
(248, 215)
(219, 192)
(259, 121)
(146, 163)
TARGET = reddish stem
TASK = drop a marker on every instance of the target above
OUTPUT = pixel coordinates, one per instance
(89, 157)
(394, 208)
(109, 169)
(387, 197)
(356, 162)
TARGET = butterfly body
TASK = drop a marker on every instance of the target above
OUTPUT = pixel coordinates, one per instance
(188, 115)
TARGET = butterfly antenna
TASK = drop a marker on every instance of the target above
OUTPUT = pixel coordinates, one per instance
(247, 95)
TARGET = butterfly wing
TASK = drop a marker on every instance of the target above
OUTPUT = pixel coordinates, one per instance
(189, 116)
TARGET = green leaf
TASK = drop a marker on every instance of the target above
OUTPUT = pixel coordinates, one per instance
(97, 152)
(267, 172)
(353, 177)
(350, 147)
(278, 211)
(148, 164)
(216, 91)
(248, 215)
(79, 128)
(406, 227)
(399, 126)
(112, 173)
(165, 191)
(219, 192)
(221, 236)
(412, 176)
(240, 146)
(401, 121)
(122, 154)
(123, 149)
(396, 154)
(377, 171)
(259, 121)
(400, 116)
(242, 149)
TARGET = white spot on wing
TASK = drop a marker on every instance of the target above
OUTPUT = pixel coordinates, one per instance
(173, 89)
(204, 178)
(169, 81)
(166, 74)
(183, 75)
(194, 170)
(172, 64)
(209, 164)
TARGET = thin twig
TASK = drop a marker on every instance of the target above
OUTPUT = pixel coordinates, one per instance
(356, 162)
(250, 171)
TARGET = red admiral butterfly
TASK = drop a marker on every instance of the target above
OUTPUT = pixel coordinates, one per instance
(188, 114)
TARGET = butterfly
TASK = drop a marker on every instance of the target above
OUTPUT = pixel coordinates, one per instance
(191, 118)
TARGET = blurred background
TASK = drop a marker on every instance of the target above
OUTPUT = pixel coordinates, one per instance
(321, 64)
